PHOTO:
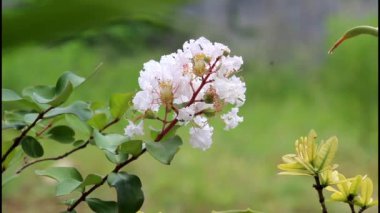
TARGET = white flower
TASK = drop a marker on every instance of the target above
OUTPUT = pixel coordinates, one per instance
(185, 114)
(231, 90)
(132, 129)
(231, 119)
(200, 137)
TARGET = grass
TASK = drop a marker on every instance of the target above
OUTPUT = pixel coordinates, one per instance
(240, 170)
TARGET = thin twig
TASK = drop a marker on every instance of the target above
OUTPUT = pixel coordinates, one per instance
(158, 138)
(115, 170)
(69, 152)
(362, 209)
(17, 140)
(319, 189)
(350, 201)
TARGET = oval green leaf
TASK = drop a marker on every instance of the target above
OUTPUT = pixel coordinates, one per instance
(32, 147)
(78, 108)
(164, 150)
(9, 95)
(101, 206)
(62, 134)
(130, 197)
(119, 104)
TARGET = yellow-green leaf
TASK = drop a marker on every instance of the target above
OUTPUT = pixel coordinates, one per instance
(326, 153)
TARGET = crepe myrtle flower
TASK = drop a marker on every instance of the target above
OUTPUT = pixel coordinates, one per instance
(193, 84)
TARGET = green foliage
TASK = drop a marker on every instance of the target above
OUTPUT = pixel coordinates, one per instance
(100, 206)
(32, 147)
(78, 108)
(164, 150)
(133, 147)
(130, 197)
(68, 178)
(119, 103)
(9, 95)
(62, 134)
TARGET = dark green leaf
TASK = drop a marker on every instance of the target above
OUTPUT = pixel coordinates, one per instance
(62, 134)
(32, 147)
(108, 142)
(100, 206)
(164, 150)
(61, 173)
(130, 197)
(98, 121)
(78, 143)
(67, 186)
(78, 108)
(9, 95)
(131, 147)
(119, 103)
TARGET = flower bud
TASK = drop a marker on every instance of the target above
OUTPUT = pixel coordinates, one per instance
(166, 94)
(199, 62)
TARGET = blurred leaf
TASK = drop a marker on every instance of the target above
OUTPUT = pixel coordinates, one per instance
(131, 147)
(9, 95)
(61, 173)
(6, 180)
(326, 153)
(100, 206)
(14, 120)
(92, 179)
(62, 134)
(108, 142)
(119, 103)
(78, 143)
(98, 121)
(237, 211)
(130, 197)
(154, 133)
(48, 20)
(30, 118)
(67, 186)
(32, 147)
(81, 127)
(116, 158)
(57, 95)
(78, 108)
(164, 150)
(359, 30)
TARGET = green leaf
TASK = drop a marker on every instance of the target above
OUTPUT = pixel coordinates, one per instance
(98, 121)
(78, 143)
(92, 179)
(82, 128)
(9, 95)
(116, 158)
(119, 104)
(353, 32)
(154, 133)
(108, 142)
(32, 147)
(326, 153)
(67, 186)
(30, 117)
(131, 147)
(61, 173)
(62, 134)
(237, 211)
(57, 95)
(78, 108)
(100, 206)
(6, 180)
(130, 197)
(164, 150)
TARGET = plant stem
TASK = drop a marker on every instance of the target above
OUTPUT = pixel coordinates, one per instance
(362, 209)
(350, 200)
(319, 189)
(69, 152)
(159, 137)
(17, 140)
(115, 170)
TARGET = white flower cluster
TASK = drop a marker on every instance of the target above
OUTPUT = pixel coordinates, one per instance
(192, 82)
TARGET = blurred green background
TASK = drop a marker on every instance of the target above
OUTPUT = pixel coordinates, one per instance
(292, 87)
